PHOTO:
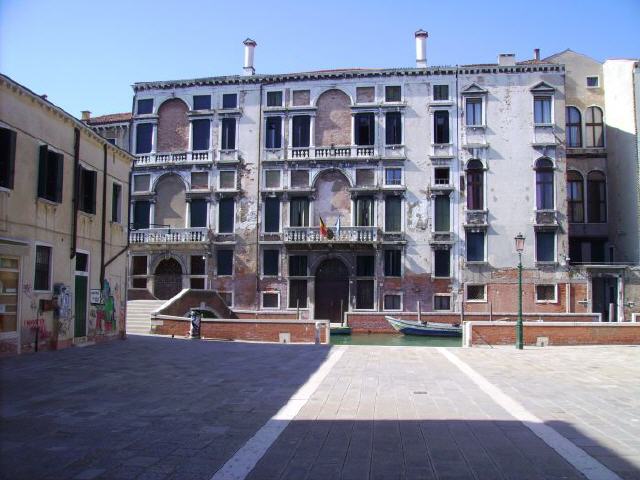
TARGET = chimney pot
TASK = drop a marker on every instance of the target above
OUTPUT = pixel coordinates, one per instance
(421, 48)
(249, 46)
(507, 59)
(536, 54)
(86, 114)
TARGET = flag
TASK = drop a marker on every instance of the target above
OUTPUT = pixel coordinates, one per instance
(323, 228)
(338, 228)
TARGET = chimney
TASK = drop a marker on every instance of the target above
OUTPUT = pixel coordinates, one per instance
(507, 59)
(536, 54)
(421, 48)
(86, 115)
(249, 46)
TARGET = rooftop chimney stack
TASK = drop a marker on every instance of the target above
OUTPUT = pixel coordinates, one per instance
(86, 115)
(249, 46)
(421, 48)
(536, 54)
(507, 59)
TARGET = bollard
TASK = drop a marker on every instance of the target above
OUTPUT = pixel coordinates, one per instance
(196, 318)
(317, 337)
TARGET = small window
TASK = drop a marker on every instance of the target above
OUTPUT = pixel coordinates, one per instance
(112, 141)
(87, 188)
(272, 214)
(228, 134)
(542, 110)
(42, 280)
(82, 262)
(139, 265)
(392, 93)
(441, 176)
(270, 300)
(301, 97)
(116, 203)
(197, 265)
(365, 177)
(545, 293)
(145, 106)
(299, 178)
(270, 262)
(441, 92)
(7, 157)
(297, 294)
(364, 211)
(393, 176)
(442, 302)
(301, 131)
(274, 99)
(365, 294)
(593, 82)
(365, 95)
(144, 134)
(442, 261)
(299, 212)
(364, 129)
(201, 130)
(138, 283)
(199, 180)
(441, 126)
(225, 215)
(230, 100)
(50, 175)
(475, 246)
(392, 214)
(202, 102)
(273, 133)
(393, 301)
(545, 246)
(473, 112)
(297, 265)
(476, 293)
(227, 179)
(393, 128)
(272, 178)
(198, 213)
(141, 183)
(365, 265)
(141, 212)
(392, 263)
(224, 262)
(197, 283)
(442, 211)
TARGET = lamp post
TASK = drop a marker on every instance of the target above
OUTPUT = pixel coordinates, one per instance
(519, 329)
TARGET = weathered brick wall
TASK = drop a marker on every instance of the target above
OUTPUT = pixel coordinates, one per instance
(173, 126)
(333, 119)
(265, 315)
(502, 297)
(597, 334)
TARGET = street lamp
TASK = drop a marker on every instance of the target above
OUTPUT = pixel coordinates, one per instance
(519, 248)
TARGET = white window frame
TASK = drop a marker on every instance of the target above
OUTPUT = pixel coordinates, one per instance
(282, 127)
(133, 276)
(550, 96)
(264, 178)
(18, 312)
(299, 170)
(433, 263)
(140, 192)
(474, 300)
(233, 263)
(597, 77)
(383, 207)
(375, 295)
(235, 180)
(396, 293)
(266, 97)
(402, 260)
(222, 94)
(275, 292)
(217, 214)
(555, 292)
(191, 181)
(264, 249)
(205, 276)
(485, 248)
(401, 94)
(483, 118)
(433, 90)
(289, 280)
(441, 295)
(439, 108)
(384, 180)
(37, 244)
(153, 105)
(555, 247)
(375, 177)
(355, 94)
(264, 215)
(402, 129)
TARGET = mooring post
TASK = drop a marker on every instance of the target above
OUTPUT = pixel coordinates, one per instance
(419, 312)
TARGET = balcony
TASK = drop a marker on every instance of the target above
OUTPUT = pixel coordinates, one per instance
(347, 235)
(173, 158)
(168, 235)
(333, 153)
(547, 218)
(443, 238)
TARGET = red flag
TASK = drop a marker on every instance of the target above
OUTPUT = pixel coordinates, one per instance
(323, 228)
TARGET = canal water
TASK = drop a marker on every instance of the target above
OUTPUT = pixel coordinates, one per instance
(396, 340)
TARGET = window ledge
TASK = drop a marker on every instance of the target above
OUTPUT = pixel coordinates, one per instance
(89, 215)
(477, 127)
(46, 201)
(476, 301)
(544, 125)
(5, 189)
(477, 262)
(545, 263)
(547, 301)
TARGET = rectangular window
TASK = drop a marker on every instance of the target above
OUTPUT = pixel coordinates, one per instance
(225, 262)
(473, 111)
(301, 97)
(230, 100)
(228, 134)
(392, 263)
(442, 263)
(272, 214)
(365, 265)
(297, 265)
(226, 215)
(272, 178)
(441, 92)
(112, 141)
(139, 265)
(593, 82)
(270, 300)
(542, 110)
(198, 211)
(393, 301)
(10, 274)
(227, 179)
(441, 126)
(144, 134)
(364, 128)
(364, 211)
(441, 176)
(116, 203)
(393, 128)
(42, 280)
(299, 178)
(50, 174)
(301, 131)
(365, 95)
(299, 212)
(393, 93)
(197, 265)
(545, 293)
(274, 99)
(82, 262)
(442, 212)
(476, 293)
(273, 133)
(145, 106)
(442, 302)
(475, 246)
(297, 294)
(270, 262)
(7, 157)
(138, 283)
(87, 188)
(365, 177)
(545, 246)
(141, 183)
(393, 214)
(201, 133)
(202, 102)
(393, 176)
(141, 213)
(196, 283)
(199, 180)
(364, 294)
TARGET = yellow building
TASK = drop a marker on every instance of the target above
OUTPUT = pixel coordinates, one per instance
(64, 192)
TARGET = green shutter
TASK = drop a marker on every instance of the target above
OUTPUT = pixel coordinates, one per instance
(12, 159)
(42, 171)
(93, 191)
(59, 177)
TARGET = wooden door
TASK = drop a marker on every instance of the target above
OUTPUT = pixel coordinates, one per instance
(80, 328)
(331, 290)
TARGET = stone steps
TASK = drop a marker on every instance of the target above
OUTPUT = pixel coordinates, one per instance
(139, 315)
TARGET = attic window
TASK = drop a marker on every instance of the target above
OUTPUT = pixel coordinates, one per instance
(593, 82)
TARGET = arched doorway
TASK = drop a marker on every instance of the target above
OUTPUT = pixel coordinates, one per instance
(167, 281)
(331, 290)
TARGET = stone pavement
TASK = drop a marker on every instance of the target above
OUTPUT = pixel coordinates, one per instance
(158, 408)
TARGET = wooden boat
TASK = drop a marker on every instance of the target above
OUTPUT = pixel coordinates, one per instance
(409, 327)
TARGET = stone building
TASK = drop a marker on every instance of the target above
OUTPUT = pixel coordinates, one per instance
(63, 234)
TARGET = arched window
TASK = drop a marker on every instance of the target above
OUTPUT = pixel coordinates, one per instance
(544, 184)
(575, 197)
(596, 197)
(574, 127)
(475, 185)
(594, 127)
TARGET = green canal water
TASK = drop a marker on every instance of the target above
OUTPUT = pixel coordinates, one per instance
(396, 340)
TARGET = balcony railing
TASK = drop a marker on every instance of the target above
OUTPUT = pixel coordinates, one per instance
(345, 235)
(172, 158)
(337, 152)
(169, 235)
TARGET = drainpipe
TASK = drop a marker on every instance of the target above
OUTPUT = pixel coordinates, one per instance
(74, 194)
(104, 214)
(258, 215)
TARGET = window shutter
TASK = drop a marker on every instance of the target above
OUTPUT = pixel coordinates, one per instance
(93, 191)
(59, 177)
(42, 171)
(12, 159)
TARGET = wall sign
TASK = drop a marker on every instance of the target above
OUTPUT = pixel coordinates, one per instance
(95, 296)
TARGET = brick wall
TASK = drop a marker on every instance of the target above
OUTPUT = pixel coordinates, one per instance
(264, 315)
(333, 119)
(173, 126)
